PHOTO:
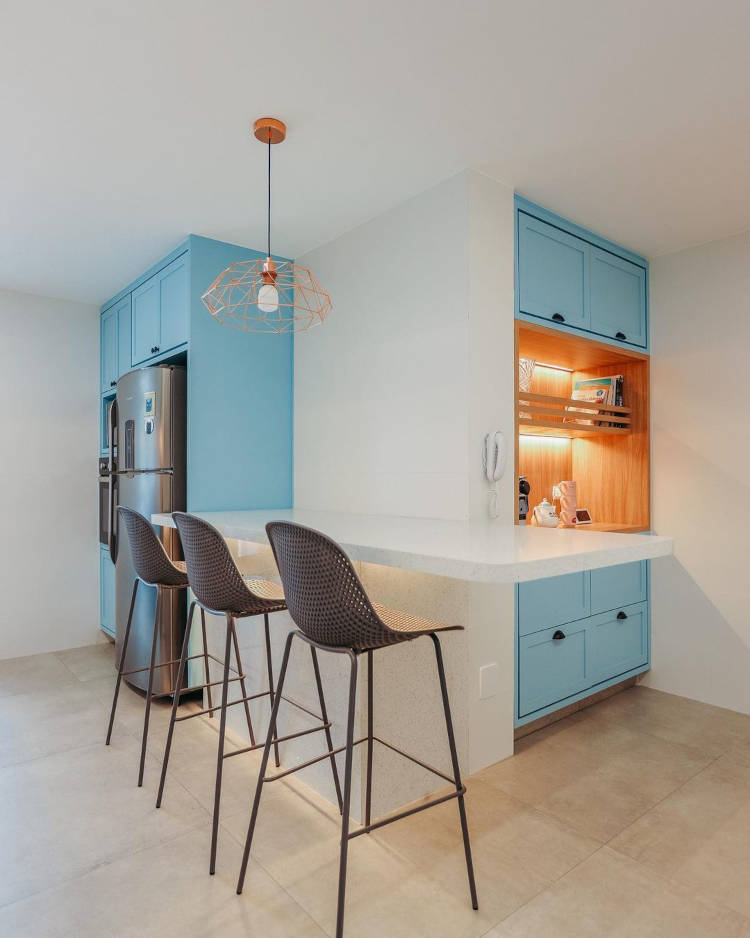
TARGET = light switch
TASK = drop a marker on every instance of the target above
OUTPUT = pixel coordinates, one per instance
(489, 680)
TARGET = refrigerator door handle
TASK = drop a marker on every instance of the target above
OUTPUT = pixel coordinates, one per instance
(111, 427)
(144, 472)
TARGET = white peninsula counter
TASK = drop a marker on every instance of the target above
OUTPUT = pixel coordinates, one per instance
(453, 571)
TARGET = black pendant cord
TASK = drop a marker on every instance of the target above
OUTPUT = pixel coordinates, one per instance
(268, 232)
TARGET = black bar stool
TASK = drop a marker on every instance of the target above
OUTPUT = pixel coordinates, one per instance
(154, 568)
(220, 589)
(333, 613)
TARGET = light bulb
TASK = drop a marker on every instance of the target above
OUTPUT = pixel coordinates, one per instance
(268, 298)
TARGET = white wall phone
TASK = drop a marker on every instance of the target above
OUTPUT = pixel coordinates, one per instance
(494, 458)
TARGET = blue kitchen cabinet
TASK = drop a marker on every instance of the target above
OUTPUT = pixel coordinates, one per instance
(579, 633)
(578, 282)
(618, 642)
(552, 601)
(108, 349)
(621, 585)
(618, 298)
(124, 327)
(552, 666)
(106, 592)
(553, 273)
(161, 312)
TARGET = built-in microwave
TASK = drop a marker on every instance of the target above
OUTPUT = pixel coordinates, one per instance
(104, 513)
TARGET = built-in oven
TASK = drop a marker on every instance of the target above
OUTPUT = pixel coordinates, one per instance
(108, 485)
(104, 512)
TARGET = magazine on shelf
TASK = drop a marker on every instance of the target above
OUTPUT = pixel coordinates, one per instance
(603, 391)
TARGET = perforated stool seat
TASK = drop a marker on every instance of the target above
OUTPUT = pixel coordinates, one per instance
(333, 613)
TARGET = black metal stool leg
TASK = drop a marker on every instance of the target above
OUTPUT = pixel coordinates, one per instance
(220, 754)
(175, 702)
(205, 664)
(121, 666)
(456, 770)
(370, 726)
(264, 763)
(269, 668)
(347, 796)
(241, 673)
(150, 689)
(324, 715)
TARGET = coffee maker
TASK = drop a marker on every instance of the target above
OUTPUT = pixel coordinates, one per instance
(523, 498)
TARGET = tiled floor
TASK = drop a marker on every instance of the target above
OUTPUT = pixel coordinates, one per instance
(629, 819)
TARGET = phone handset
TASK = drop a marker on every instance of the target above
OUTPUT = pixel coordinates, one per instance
(494, 458)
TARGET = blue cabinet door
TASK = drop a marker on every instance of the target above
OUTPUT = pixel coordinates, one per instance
(552, 601)
(549, 668)
(108, 348)
(552, 273)
(174, 302)
(146, 325)
(618, 642)
(621, 585)
(106, 592)
(618, 298)
(124, 353)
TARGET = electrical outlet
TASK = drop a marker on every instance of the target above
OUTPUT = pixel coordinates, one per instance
(489, 680)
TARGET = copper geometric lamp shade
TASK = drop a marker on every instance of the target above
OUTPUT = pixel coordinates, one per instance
(263, 295)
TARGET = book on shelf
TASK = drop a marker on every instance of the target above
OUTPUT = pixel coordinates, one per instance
(605, 391)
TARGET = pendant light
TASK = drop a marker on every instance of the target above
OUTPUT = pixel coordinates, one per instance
(263, 295)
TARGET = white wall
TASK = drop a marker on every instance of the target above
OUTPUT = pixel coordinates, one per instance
(381, 389)
(49, 374)
(700, 301)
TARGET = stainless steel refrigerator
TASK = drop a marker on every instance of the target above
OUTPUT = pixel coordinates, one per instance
(148, 423)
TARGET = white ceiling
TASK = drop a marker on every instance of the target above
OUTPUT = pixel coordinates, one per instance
(125, 126)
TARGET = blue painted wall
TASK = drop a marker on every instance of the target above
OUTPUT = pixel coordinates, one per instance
(240, 401)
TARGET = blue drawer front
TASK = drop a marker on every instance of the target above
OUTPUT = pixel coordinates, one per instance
(552, 601)
(618, 642)
(612, 587)
(550, 669)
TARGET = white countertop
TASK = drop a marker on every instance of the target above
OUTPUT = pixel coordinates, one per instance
(484, 551)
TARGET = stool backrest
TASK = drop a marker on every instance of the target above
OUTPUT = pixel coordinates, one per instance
(212, 572)
(323, 593)
(150, 559)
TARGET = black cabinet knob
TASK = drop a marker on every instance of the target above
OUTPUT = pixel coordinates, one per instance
(558, 317)
(156, 348)
(621, 336)
(112, 384)
(558, 636)
(622, 615)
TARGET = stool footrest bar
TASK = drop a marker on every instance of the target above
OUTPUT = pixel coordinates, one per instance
(408, 813)
(283, 739)
(304, 765)
(424, 765)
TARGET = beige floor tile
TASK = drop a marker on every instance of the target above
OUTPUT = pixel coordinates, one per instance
(58, 719)
(700, 835)
(163, 892)
(595, 775)
(91, 661)
(714, 730)
(65, 814)
(611, 895)
(33, 673)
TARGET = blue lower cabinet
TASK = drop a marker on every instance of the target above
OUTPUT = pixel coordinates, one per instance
(618, 642)
(106, 592)
(553, 601)
(612, 587)
(552, 665)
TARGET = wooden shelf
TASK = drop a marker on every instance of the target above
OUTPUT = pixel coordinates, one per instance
(548, 415)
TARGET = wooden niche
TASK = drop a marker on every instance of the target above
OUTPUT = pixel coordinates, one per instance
(607, 452)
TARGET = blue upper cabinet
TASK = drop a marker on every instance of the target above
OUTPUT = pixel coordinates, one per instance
(124, 327)
(618, 298)
(577, 281)
(553, 273)
(161, 312)
(108, 349)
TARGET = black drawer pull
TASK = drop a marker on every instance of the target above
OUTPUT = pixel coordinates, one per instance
(558, 636)
(621, 336)
(558, 317)
(113, 384)
(154, 348)
(622, 615)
